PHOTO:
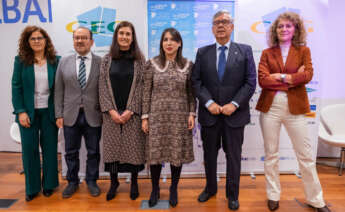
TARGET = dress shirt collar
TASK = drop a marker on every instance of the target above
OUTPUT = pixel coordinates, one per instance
(227, 45)
(88, 56)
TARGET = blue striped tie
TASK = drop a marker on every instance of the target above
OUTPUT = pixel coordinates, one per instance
(82, 72)
(221, 62)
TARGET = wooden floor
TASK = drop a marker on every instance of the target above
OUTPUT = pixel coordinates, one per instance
(252, 193)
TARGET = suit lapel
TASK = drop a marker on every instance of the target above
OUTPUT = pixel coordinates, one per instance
(232, 54)
(231, 60)
(213, 58)
(106, 65)
(31, 75)
(50, 74)
(292, 55)
(134, 83)
(74, 68)
(278, 58)
(92, 70)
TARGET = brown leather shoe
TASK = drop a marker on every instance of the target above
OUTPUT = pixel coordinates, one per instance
(323, 209)
(272, 205)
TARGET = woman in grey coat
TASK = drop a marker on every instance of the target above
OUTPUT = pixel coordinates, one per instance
(120, 86)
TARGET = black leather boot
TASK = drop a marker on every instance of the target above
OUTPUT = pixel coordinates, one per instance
(114, 184)
(134, 186)
(175, 177)
(155, 175)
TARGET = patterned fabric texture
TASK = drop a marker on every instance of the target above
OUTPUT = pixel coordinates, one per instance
(167, 102)
(126, 145)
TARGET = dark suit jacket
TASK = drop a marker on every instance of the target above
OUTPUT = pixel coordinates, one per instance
(23, 88)
(238, 83)
(272, 62)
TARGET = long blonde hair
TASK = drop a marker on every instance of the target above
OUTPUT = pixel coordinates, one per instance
(299, 37)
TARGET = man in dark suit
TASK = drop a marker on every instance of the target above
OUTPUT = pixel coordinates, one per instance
(77, 110)
(224, 80)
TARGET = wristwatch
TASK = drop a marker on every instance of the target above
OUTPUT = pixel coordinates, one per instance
(282, 77)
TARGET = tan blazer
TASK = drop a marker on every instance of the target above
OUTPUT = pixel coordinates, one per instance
(272, 62)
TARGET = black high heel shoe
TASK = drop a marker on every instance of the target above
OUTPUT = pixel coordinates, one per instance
(112, 191)
(173, 197)
(48, 192)
(134, 191)
(154, 197)
(30, 197)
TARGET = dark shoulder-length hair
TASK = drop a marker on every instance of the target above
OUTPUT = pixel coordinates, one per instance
(134, 49)
(299, 37)
(176, 36)
(25, 52)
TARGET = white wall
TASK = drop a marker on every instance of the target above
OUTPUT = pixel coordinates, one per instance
(333, 73)
(63, 12)
(331, 53)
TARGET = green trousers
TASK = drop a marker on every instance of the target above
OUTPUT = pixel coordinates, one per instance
(42, 132)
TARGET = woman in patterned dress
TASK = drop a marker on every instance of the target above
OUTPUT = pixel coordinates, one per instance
(168, 113)
(120, 89)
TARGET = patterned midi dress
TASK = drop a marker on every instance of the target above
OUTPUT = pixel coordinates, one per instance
(167, 103)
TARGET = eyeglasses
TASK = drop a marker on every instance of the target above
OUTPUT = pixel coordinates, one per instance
(224, 22)
(33, 39)
(83, 38)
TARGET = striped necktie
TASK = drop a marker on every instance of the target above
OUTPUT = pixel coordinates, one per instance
(82, 72)
(221, 62)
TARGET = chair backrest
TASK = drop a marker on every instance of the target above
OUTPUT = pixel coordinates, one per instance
(333, 118)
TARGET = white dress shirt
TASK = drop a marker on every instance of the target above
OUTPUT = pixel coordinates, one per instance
(209, 102)
(87, 62)
(285, 51)
(219, 51)
(41, 86)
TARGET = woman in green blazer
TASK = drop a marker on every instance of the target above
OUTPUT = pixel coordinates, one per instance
(33, 102)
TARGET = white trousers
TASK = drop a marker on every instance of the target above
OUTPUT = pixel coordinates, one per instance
(297, 129)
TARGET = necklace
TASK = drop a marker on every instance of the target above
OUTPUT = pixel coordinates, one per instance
(40, 61)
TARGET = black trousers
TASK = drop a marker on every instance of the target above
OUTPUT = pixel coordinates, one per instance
(73, 137)
(231, 140)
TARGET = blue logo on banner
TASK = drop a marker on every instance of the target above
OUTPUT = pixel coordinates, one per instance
(193, 19)
(12, 13)
(248, 158)
(269, 18)
(313, 107)
(309, 90)
(101, 22)
(280, 158)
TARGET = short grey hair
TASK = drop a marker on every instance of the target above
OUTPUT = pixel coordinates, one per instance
(223, 12)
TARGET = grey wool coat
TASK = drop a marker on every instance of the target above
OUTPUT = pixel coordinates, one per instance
(126, 145)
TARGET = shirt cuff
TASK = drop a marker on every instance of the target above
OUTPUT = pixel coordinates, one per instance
(235, 103)
(192, 114)
(209, 102)
(145, 116)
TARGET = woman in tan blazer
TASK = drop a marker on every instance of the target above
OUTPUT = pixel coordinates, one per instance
(284, 69)
(120, 88)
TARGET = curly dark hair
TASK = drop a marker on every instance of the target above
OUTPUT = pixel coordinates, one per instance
(299, 38)
(25, 52)
(134, 49)
(176, 36)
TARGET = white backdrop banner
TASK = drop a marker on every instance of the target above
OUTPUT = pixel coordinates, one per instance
(193, 19)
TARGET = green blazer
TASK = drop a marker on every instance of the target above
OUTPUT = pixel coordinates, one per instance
(23, 88)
